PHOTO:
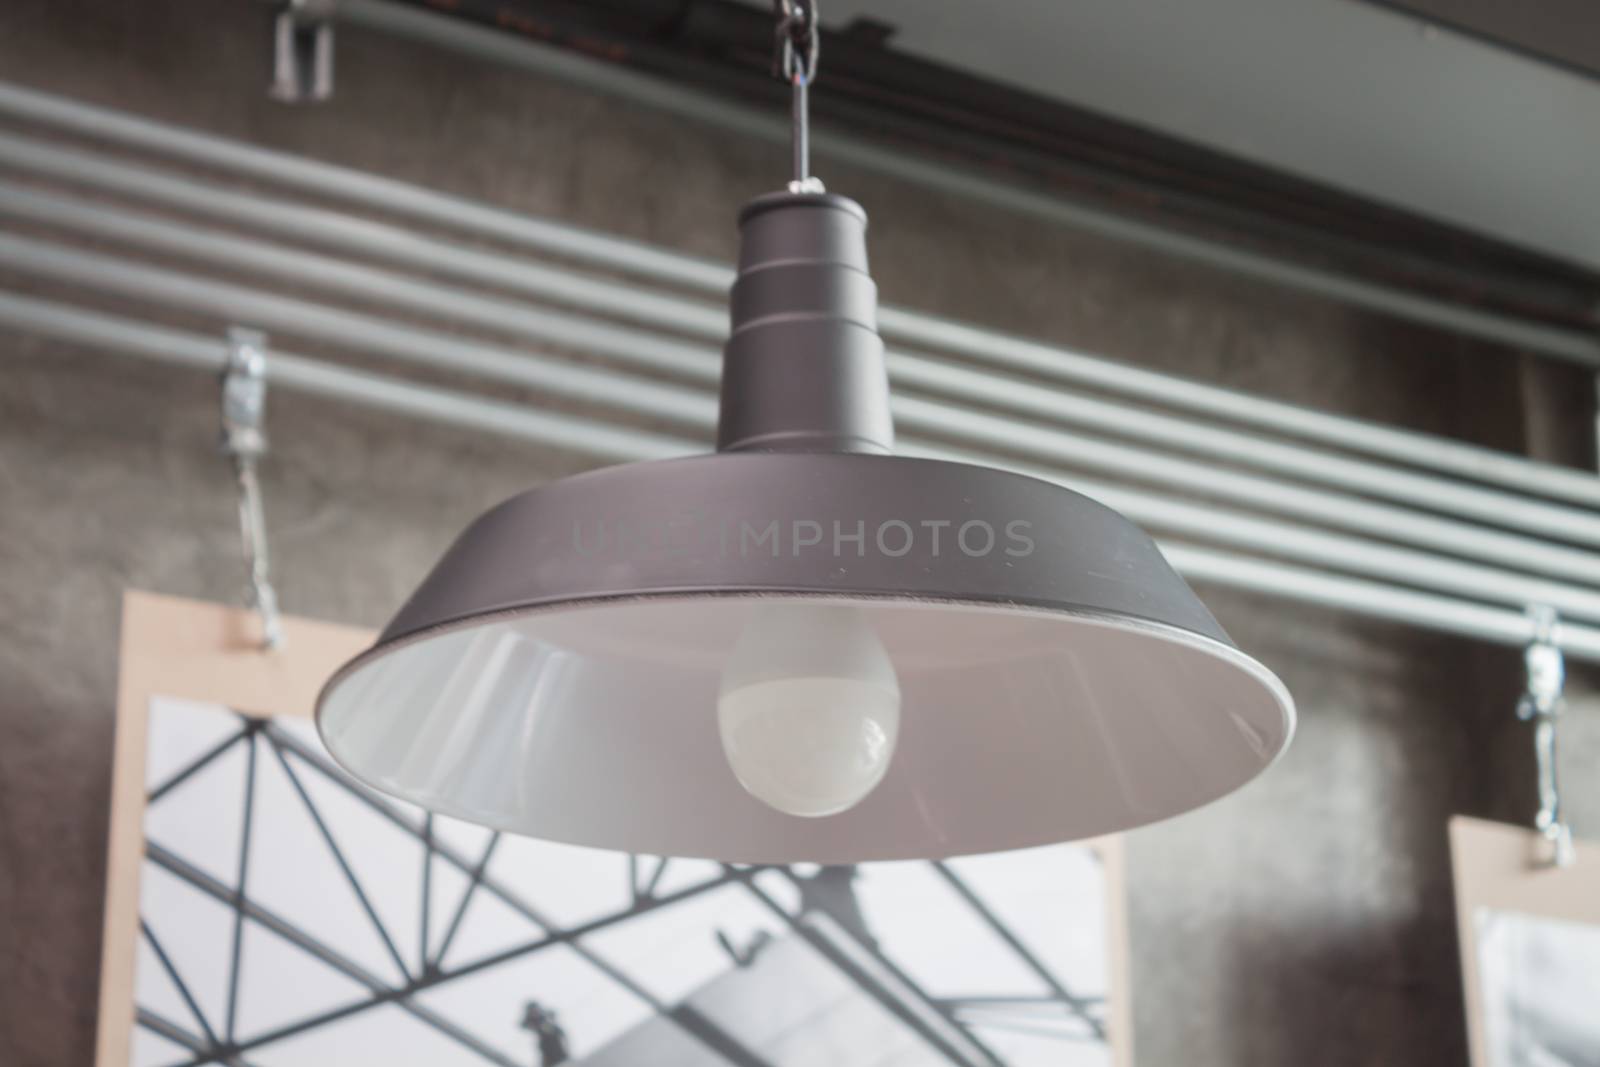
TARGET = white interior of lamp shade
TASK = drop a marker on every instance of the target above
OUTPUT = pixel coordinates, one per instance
(597, 725)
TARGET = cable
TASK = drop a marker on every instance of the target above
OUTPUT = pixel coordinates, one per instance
(797, 46)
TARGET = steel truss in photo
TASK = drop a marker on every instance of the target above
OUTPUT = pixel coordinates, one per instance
(245, 804)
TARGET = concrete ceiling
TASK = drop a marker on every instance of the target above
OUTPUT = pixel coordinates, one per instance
(1368, 99)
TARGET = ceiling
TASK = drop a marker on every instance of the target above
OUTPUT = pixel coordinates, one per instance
(1558, 31)
(1371, 100)
(1349, 139)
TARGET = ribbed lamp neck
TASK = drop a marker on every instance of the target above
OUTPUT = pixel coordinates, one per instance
(803, 370)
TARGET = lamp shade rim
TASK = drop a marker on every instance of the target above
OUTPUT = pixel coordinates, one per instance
(1005, 837)
(1222, 648)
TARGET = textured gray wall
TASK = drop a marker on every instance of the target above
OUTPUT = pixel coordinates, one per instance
(1306, 919)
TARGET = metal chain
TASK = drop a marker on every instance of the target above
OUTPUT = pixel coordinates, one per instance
(1541, 704)
(797, 40)
(244, 400)
(797, 46)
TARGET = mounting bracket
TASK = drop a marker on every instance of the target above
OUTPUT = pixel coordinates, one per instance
(302, 52)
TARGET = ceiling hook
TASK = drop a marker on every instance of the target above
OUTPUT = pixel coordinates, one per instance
(1541, 703)
(244, 442)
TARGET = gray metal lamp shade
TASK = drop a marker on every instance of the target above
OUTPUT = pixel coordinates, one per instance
(557, 674)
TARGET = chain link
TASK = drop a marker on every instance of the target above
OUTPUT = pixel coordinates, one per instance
(797, 45)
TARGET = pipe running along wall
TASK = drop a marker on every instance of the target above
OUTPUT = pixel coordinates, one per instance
(1473, 554)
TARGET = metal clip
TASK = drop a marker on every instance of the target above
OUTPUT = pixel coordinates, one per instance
(302, 52)
(1541, 704)
(244, 405)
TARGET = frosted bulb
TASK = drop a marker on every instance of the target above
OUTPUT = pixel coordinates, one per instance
(809, 708)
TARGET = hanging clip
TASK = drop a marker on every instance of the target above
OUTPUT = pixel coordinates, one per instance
(795, 61)
(302, 52)
(1541, 704)
(244, 405)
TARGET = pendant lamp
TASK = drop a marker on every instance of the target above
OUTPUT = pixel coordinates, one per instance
(802, 647)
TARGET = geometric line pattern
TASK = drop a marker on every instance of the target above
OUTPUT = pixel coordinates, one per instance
(952, 1026)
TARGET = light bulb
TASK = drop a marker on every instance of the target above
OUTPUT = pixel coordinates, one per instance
(809, 707)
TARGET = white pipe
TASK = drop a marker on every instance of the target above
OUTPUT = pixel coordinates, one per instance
(552, 429)
(1353, 594)
(1333, 509)
(327, 274)
(702, 365)
(367, 237)
(590, 385)
(1054, 363)
(130, 337)
(1220, 524)
(659, 400)
(326, 179)
(1493, 507)
(1239, 530)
